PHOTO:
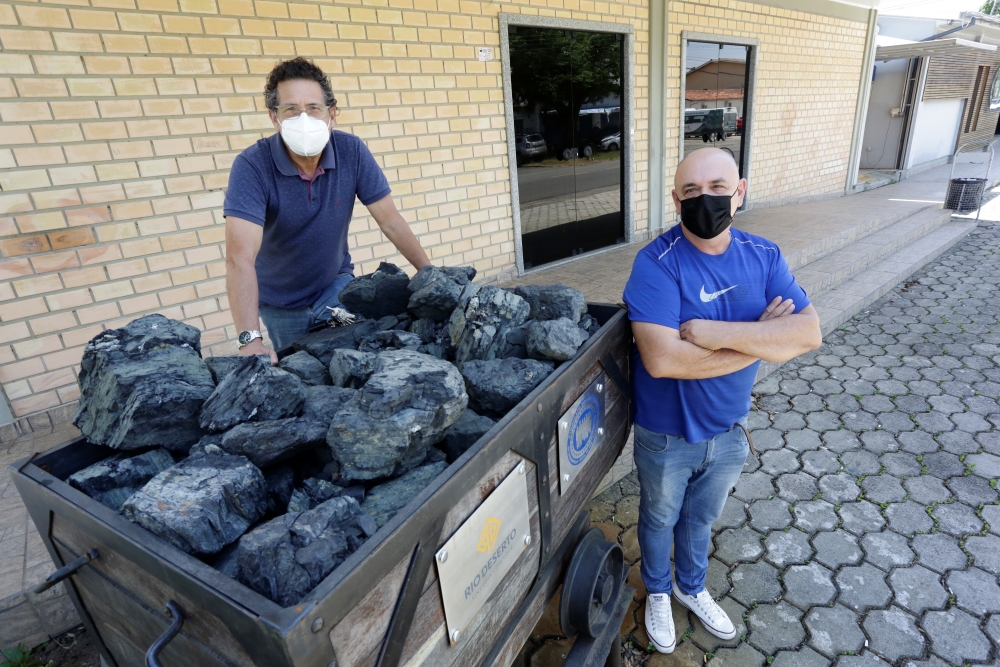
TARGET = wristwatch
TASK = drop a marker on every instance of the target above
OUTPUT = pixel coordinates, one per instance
(247, 337)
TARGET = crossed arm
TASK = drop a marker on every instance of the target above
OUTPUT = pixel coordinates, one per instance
(707, 348)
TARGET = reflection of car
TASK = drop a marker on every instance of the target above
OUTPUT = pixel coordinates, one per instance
(600, 138)
(705, 123)
(739, 126)
(529, 146)
(612, 142)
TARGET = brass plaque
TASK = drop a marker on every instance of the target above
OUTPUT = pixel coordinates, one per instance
(581, 432)
(475, 559)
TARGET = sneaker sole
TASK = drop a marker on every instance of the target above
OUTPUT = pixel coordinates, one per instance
(717, 633)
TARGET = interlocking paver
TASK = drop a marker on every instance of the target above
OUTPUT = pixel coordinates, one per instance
(955, 636)
(926, 489)
(839, 488)
(900, 464)
(908, 518)
(957, 519)
(939, 552)
(972, 490)
(767, 515)
(775, 626)
(882, 489)
(788, 547)
(894, 634)
(837, 548)
(975, 591)
(733, 515)
(991, 515)
(804, 657)
(834, 630)
(820, 462)
(861, 517)
(738, 545)
(863, 587)
(755, 583)
(813, 515)
(754, 486)
(917, 589)
(985, 550)
(809, 585)
(943, 464)
(864, 660)
(779, 461)
(886, 549)
(860, 463)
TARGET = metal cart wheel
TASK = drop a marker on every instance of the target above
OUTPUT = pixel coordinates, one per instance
(592, 585)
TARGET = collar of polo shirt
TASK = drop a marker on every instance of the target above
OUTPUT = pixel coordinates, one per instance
(327, 159)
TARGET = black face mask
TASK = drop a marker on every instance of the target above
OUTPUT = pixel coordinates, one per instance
(707, 216)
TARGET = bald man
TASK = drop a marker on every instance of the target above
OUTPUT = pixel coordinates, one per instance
(707, 302)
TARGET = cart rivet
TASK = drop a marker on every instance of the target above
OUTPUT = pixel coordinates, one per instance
(520, 468)
(546, 515)
(600, 388)
(455, 634)
(539, 408)
(566, 477)
(541, 437)
(442, 556)
(600, 431)
(317, 625)
(564, 425)
(527, 540)
(545, 479)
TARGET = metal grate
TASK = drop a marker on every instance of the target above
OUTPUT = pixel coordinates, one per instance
(964, 194)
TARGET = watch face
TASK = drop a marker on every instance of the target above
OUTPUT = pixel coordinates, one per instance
(245, 337)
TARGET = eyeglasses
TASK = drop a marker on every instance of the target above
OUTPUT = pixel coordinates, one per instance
(317, 111)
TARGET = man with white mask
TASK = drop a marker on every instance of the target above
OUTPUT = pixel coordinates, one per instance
(288, 208)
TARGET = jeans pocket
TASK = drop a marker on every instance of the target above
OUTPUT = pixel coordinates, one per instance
(650, 441)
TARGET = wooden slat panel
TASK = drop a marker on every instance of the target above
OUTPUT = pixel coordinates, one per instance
(950, 77)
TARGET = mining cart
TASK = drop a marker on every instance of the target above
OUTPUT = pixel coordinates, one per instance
(458, 577)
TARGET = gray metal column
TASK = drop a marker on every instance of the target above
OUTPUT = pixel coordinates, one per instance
(657, 188)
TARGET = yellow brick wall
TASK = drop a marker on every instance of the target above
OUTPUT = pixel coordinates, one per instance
(120, 120)
(806, 90)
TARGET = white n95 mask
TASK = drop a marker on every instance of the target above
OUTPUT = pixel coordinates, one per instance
(305, 136)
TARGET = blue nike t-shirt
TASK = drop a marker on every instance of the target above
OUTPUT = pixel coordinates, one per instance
(673, 282)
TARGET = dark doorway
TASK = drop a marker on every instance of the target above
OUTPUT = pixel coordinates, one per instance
(715, 98)
(566, 89)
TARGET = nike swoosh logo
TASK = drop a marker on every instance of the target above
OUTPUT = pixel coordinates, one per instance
(706, 297)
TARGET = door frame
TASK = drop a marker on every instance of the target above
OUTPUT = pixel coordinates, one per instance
(627, 122)
(748, 97)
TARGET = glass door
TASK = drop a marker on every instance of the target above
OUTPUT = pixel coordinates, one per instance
(567, 93)
(714, 94)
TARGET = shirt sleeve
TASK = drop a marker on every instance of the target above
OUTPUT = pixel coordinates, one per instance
(372, 184)
(782, 283)
(246, 196)
(652, 293)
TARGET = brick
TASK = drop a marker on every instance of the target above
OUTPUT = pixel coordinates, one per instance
(75, 42)
(186, 25)
(49, 64)
(19, 112)
(55, 262)
(143, 247)
(109, 291)
(36, 346)
(71, 238)
(66, 358)
(127, 87)
(18, 203)
(72, 175)
(91, 88)
(139, 22)
(60, 133)
(24, 245)
(70, 299)
(24, 40)
(55, 198)
(102, 193)
(22, 369)
(35, 157)
(131, 150)
(36, 285)
(34, 403)
(125, 44)
(99, 254)
(151, 65)
(41, 222)
(80, 336)
(176, 296)
(26, 179)
(172, 146)
(53, 380)
(132, 210)
(139, 304)
(41, 87)
(129, 269)
(43, 17)
(114, 171)
(84, 19)
(84, 277)
(106, 65)
(151, 283)
(88, 216)
(160, 107)
(119, 108)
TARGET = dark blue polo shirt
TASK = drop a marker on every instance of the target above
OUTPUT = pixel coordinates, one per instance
(305, 221)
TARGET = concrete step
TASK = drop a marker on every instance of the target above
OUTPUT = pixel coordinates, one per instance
(839, 304)
(835, 268)
(815, 241)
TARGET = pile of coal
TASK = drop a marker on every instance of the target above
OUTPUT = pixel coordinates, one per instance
(288, 556)
(289, 469)
(201, 504)
(111, 481)
(143, 386)
(404, 408)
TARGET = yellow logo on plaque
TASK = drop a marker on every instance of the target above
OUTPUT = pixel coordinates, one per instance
(488, 537)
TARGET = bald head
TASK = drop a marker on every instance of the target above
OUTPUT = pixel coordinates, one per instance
(708, 171)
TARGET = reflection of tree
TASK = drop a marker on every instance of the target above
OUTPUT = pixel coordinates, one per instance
(561, 71)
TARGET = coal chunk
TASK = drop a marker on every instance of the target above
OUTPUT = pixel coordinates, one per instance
(287, 557)
(392, 339)
(426, 328)
(550, 302)
(589, 324)
(464, 433)
(114, 479)
(497, 385)
(220, 367)
(266, 443)
(378, 294)
(478, 327)
(143, 386)
(308, 368)
(322, 403)
(351, 368)
(280, 482)
(255, 392)
(406, 406)
(322, 343)
(384, 500)
(517, 342)
(436, 291)
(555, 339)
(203, 503)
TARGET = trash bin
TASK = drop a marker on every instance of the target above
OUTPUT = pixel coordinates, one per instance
(964, 194)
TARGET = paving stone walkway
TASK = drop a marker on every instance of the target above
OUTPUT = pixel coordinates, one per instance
(866, 532)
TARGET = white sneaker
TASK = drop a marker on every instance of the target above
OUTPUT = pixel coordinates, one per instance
(660, 622)
(711, 614)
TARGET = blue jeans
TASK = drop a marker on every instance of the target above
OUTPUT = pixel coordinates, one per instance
(683, 487)
(286, 325)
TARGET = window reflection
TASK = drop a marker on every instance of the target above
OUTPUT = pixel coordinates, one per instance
(715, 89)
(567, 93)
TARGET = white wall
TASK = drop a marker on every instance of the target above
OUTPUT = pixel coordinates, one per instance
(936, 130)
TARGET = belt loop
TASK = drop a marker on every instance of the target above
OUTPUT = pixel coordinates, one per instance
(749, 439)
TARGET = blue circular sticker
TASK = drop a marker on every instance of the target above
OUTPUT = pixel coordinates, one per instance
(583, 430)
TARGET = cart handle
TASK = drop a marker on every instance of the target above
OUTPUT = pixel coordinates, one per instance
(65, 572)
(153, 655)
(971, 143)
